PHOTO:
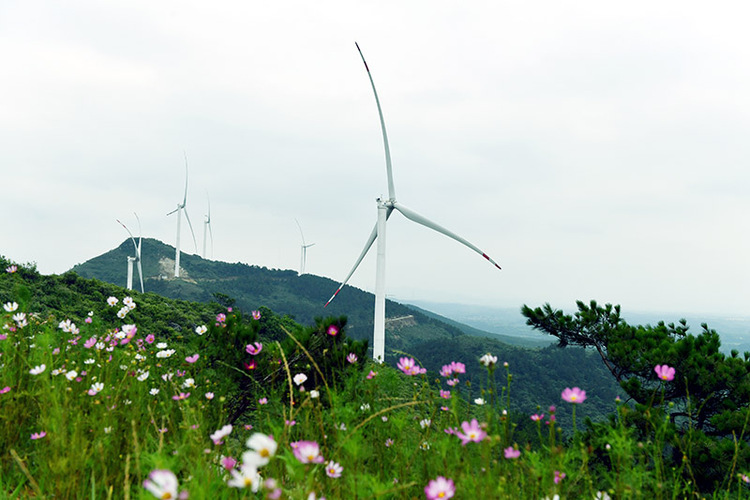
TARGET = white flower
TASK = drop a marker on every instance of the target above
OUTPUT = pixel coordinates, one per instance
(71, 374)
(365, 407)
(89, 361)
(143, 376)
(161, 345)
(123, 312)
(488, 360)
(120, 335)
(56, 371)
(96, 388)
(300, 378)
(20, 319)
(112, 301)
(167, 376)
(10, 306)
(221, 433)
(140, 357)
(128, 301)
(200, 330)
(425, 423)
(264, 447)
(91, 313)
(162, 483)
(189, 382)
(107, 430)
(479, 401)
(123, 367)
(99, 346)
(246, 477)
(38, 369)
(154, 391)
(314, 394)
(165, 354)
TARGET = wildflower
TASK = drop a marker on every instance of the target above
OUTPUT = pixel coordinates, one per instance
(371, 375)
(256, 315)
(160, 345)
(446, 371)
(425, 423)
(439, 489)
(365, 407)
(209, 395)
(220, 434)
(471, 432)
(263, 446)
(308, 452)
(162, 483)
(165, 354)
(511, 453)
(112, 301)
(290, 423)
(143, 376)
(128, 301)
(388, 443)
(11, 269)
(252, 365)
(71, 375)
(665, 372)
(123, 312)
(300, 378)
(90, 343)
(38, 435)
(488, 360)
(154, 391)
(559, 476)
(228, 462)
(333, 469)
(351, 358)
(5, 389)
(254, 349)
(458, 367)
(192, 359)
(10, 306)
(424, 446)
(314, 394)
(574, 395)
(409, 366)
(263, 401)
(37, 370)
(96, 388)
(220, 319)
(479, 401)
(20, 319)
(274, 492)
(181, 396)
(745, 478)
(536, 417)
(200, 330)
(332, 330)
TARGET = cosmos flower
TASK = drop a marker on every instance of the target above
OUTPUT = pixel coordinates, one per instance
(300, 378)
(488, 360)
(665, 372)
(307, 452)
(536, 417)
(440, 489)
(10, 306)
(511, 453)
(162, 483)
(38, 435)
(254, 349)
(334, 469)
(37, 370)
(200, 330)
(96, 388)
(209, 395)
(220, 434)
(332, 330)
(351, 358)
(471, 432)
(11, 269)
(246, 477)
(372, 374)
(181, 396)
(256, 315)
(574, 395)
(263, 448)
(192, 359)
(112, 301)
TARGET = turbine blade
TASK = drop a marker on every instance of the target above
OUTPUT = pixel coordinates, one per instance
(184, 199)
(370, 240)
(140, 274)
(391, 189)
(419, 219)
(173, 211)
(211, 234)
(140, 237)
(195, 242)
(300, 232)
(131, 236)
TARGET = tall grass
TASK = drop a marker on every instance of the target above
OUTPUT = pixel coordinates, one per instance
(391, 432)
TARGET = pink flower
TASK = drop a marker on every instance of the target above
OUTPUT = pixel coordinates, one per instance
(536, 418)
(209, 395)
(38, 435)
(307, 452)
(371, 374)
(228, 463)
(559, 476)
(256, 315)
(150, 338)
(445, 394)
(11, 269)
(252, 365)
(409, 366)
(574, 395)
(332, 330)
(290, 423)
(181, 396)
(452, 382)
(333, 469)
(220, 434)
(458, 367)
(471, 432)
(440, 489)
(351, 358)
(90, 343)
(511, 453)
(263, 401)
(254, 349)
(665, 372)
(446, 371)
(5, 389)
(88, 319)
(192, 359)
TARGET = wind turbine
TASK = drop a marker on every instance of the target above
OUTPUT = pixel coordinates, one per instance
(137, 258)
(303, 257)
(385, 208)
(181, 208)
(207, 225)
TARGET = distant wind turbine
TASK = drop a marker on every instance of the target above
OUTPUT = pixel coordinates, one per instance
(303, 257)
(385, 208)
(181, 208)
(207, 225)
(137, 258)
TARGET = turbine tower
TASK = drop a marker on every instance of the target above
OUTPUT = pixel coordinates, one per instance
(207, 225)
(137, 258)
(181, 208)
(303, 257)
(385, 208)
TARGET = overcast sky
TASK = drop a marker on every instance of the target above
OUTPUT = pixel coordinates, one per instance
(596, 150)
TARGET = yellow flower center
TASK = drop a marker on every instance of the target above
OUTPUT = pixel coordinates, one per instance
(248, 481)
(441, 494)
(264, 453)
(166, 496)
(311, 457)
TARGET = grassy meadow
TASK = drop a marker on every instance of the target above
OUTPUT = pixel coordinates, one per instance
(96, 407)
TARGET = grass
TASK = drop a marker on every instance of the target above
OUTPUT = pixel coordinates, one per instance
(392, 433)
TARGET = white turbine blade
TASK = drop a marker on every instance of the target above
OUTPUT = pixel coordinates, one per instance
(391, 189)
(173, 211)
(140, 237)
(184, 199)
(370, 240)
(140, 273)
(300, 232)
(195, 242)
(414, 216)
(211, 235)
(131, 236)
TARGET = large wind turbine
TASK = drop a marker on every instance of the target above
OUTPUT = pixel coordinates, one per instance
(385, 208)
(137, 258)
(303, 257)
(207, 225)
(181, 208)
